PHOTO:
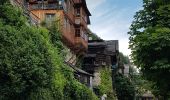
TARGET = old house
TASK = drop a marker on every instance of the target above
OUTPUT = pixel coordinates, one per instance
(73, 17)
(100, 54)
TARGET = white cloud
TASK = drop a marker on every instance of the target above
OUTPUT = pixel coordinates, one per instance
(92, 4)
(111, 22)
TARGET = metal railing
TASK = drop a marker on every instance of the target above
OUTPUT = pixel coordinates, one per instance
(46, 6)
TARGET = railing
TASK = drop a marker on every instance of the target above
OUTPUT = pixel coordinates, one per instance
(46, 6)
(77, 1)
(81, 21)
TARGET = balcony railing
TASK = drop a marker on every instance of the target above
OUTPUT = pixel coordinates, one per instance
(80, 21)
(77, 21)
(46, 6)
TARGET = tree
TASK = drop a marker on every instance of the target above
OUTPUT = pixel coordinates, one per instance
(141, 85)
(27, 67)
(125, 90)
(124, 59)
(150, 43)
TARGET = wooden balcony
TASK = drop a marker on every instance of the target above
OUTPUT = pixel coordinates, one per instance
(53, 1)
(77, 1)
(81, 43)
(35, 1)
(41, 6)
(80, 22)
(68, 39)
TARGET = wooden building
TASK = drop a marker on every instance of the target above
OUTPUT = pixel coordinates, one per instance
(73, 16)
(100, 54)
(84, 77)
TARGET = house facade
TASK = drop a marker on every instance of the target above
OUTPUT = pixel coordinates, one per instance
(100, 54)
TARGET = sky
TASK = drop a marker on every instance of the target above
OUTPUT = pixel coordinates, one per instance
(111, 19)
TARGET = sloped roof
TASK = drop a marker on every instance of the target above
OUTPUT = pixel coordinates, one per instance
(81, 71)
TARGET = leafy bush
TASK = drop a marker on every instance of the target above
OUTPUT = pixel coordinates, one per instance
(124, 88)
(106, 85)
(77, 91)
(26, 60)
(31, 67)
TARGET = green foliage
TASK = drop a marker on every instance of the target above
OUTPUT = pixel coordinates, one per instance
(94, 36)
(55, 34)
(106, 84)
(31, 65)
(7, 15)
(140, 83)
(124, 88)
(124, 59)
(150, 43)
(27, 61)
(77, 91)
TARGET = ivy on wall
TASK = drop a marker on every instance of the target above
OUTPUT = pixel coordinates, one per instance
(106, 84)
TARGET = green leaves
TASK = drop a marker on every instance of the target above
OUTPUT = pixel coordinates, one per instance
(31, 67)
(150, 40)
(106, 84)
(124, 88)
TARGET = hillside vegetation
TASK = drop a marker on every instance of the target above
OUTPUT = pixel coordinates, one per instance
(31, 64)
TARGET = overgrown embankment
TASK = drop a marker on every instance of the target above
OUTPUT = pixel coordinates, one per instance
(31, 64)
(106, 84)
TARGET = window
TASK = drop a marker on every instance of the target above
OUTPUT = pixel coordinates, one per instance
(85, 18)
(60, 2)
(65, 23)
(77, 32)
(49, 17)
(86, 37)
(68, 26)
(77, 12)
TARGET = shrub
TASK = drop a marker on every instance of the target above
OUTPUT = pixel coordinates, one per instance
(106, 84)
(124, 88)
(31, 67)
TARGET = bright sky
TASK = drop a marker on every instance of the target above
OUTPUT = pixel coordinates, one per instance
(111, 19)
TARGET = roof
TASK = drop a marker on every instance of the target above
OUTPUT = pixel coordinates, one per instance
(81, 71)
(90, 55)
(86, 9)
(112, 45)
